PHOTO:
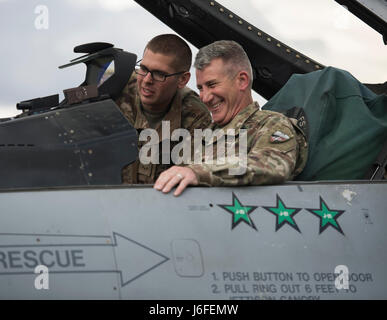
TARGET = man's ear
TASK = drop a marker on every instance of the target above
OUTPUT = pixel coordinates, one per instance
(243, 80)
(183, 79)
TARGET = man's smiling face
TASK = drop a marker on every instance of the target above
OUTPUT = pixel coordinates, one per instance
(219, 91)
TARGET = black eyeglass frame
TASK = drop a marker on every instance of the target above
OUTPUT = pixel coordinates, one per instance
(151, 72)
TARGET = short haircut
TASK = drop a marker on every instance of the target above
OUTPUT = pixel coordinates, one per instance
(172, 45)
(231, 53)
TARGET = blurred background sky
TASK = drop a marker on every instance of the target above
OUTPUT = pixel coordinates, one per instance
(320, 29)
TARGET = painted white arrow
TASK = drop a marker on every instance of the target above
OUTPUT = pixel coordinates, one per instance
(77, 254)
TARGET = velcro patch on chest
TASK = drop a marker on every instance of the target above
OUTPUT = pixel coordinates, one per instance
(278, 137)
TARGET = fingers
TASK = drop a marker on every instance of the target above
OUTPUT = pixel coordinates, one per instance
(174, 180)
(164, 178)
(175, 176)
(183, 184)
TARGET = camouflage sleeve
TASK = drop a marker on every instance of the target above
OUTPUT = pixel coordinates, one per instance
(271, 157)
(127, 99)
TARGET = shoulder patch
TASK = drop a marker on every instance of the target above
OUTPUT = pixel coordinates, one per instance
(278, 137)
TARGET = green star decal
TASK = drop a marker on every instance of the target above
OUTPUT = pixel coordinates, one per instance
(327, 216)
(240, 213)
(284, 215)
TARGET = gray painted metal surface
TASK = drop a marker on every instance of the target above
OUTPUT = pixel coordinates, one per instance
(272, 242)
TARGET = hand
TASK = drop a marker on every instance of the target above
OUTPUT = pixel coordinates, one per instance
(176, 175)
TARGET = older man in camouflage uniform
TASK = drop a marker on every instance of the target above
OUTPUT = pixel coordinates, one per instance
(157, 92)
(276, 148)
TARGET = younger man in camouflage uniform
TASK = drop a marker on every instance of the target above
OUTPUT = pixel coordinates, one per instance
(157, 92)
(275, 152)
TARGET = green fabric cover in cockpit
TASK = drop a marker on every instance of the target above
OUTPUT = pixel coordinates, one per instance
(347, 122)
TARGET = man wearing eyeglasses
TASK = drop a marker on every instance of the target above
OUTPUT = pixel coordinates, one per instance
(157, 92)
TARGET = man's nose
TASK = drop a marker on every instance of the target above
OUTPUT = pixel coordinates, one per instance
(205, 96)
(148, 77)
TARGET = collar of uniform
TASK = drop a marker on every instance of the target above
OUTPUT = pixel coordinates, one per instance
(173, 115)
(236, 123)
(140, 122)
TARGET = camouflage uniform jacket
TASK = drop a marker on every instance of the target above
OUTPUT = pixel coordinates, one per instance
(186, 111)
(276, 150)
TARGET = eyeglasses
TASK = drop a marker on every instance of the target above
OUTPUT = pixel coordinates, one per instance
(156, 75)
